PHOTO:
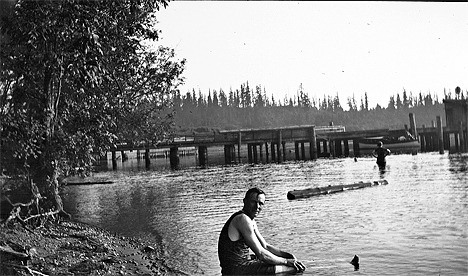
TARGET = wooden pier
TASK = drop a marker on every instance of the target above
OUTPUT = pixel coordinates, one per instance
(310, 141)
(263, 145)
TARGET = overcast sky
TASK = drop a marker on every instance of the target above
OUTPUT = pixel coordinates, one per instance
(332, 48)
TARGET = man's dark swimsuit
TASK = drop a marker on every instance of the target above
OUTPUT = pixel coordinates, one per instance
(381, 154)
(234, 256)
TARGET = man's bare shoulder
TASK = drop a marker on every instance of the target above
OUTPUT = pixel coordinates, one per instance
(242, 220)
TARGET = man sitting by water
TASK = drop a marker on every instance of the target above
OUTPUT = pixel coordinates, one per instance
(241, 233)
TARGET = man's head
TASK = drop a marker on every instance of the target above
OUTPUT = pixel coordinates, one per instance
(379, 144)
(253, 202)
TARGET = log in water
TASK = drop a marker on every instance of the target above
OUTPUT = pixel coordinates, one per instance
(332, 189)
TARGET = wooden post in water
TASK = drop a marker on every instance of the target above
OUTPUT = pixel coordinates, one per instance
(266, 152)
(273, 152)
(255, 153)
(462, 138)
(249, 153)
(229, 154)
(422, 138)
(338, 148)
(278, 149)
(283, 144)
(303, 157)
(331, 145)
(114, 160)
(414, 130)
(312, 144)
(446, 141)
(239, 140)
(440, 134)
(202, 154)
(233, 153)
(296, 150)
(346, 148)
(356, 150)
(260, 146)
(147, 158)
(325, 147)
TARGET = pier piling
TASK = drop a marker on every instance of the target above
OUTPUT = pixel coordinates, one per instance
(202, 154)
(440, 135)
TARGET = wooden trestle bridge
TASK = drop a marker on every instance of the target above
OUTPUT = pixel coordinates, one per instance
(310, 142)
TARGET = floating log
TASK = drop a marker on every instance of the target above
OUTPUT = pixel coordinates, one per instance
(332, 189)
(89, 182)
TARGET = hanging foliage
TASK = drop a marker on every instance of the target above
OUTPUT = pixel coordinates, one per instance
(76, 77)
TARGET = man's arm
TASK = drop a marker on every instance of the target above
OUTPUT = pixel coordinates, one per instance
(279, 252)
(253, 238)
(247, 229)
(271, 248)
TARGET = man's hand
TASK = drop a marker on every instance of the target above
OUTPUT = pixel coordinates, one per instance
(299, 266)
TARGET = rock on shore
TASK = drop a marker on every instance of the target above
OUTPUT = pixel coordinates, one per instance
(71, 248)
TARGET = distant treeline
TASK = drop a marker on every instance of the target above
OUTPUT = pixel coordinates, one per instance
(252, 108)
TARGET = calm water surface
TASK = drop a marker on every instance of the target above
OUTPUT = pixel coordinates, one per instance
(415, 225)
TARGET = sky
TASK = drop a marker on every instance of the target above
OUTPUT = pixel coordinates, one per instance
(344, 48)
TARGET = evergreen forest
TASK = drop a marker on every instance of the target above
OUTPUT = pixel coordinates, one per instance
(251, 108)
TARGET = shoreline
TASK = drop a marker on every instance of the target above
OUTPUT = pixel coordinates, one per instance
(75, 248)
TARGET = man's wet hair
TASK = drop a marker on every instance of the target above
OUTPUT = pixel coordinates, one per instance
(254, 190)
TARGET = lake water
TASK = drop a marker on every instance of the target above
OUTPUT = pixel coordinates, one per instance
(415, 225)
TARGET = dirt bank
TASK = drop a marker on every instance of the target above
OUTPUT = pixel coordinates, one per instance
(71, 248)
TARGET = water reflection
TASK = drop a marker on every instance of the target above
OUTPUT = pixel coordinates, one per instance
(415, 225)
(458, 163)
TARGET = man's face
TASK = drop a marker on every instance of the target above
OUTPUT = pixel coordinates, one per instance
(254, 204)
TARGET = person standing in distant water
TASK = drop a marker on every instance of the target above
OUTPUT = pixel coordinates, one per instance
(380, 153)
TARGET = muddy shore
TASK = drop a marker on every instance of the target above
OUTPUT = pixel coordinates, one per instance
(72, 248)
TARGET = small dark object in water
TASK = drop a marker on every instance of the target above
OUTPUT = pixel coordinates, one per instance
(355, 262)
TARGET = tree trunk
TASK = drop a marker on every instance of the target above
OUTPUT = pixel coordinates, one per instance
(48, 171)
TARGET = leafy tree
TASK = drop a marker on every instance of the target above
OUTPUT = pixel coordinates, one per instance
(406, 100)
(215, 98)
(209, 99)
(399, 103)
(366, 101)
(201, 99)
(223, 101)
(187, 101)
(302, 97)
(420, 100)
(352, 103)
(258, 100)
(77, 77)
(237, 98)
(336, 104)
(391, 103)
(194, 97)
(245, 95)
(231, 100)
